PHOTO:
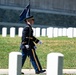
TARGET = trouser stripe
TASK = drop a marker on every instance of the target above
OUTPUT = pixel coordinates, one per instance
(35, 59)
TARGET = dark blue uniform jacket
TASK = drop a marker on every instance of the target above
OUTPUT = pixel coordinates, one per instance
(28, 38)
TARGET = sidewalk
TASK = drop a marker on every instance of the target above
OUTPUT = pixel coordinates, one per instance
(26, 71)
(31, 71)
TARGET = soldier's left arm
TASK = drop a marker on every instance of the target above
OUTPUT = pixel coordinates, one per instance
(35, 39)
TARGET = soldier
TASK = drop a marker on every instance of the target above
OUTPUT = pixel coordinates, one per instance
(27, 45)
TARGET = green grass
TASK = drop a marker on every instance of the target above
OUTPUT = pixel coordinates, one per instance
(64, 45)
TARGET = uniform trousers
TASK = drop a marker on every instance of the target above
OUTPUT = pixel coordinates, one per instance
(33, 58)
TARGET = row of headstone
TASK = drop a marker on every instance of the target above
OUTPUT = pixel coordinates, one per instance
(50, 32)
(54, 63)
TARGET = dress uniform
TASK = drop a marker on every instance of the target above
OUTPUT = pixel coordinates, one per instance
(28, 46)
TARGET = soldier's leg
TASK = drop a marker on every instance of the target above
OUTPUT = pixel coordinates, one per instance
(24, 55)
(34, 60)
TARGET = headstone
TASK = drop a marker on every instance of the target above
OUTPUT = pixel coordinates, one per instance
(4, 32)
(59, 31)
(37, 32)
(15, 60)
(64, 32)
(34, 31)
(12, 32)
(74, 33)
(43, 32)
(20, 32)
(50, 32)
(55, 64)
(55, 32)
(70, 32)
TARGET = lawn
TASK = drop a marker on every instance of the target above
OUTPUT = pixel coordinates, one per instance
(64, 45)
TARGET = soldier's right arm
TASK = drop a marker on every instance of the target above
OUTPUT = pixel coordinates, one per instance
(25, 34)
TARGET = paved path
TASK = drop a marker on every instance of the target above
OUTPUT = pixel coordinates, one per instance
(26, 71)
(31, 71)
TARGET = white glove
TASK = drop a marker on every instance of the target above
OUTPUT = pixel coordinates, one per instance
(39, 42)
(27, 46)
(35, 47)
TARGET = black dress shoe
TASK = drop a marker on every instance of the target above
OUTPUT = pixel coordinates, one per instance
(22, 73)
(38, 72)
(42, 71)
